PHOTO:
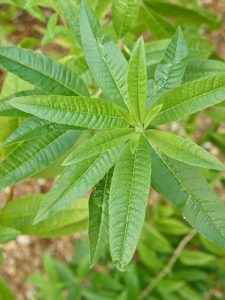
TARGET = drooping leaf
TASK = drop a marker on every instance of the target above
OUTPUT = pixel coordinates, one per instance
(99, 143)
(33, 156)
(73, 110)
(169, 72)
(190, 98)
(183, 149)
(186, 188)
(124, 15)
(106, 62)
(41, 71)
(99, 218)
(20, 213)
(75, 181)
(127, 202)
(30, 129)
(137, 82)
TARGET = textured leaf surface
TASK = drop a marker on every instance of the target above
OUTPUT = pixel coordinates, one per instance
(41, 71)
(7, 234)
(77, 111)
(127, 202)
(169, 72)
(107, 64)
(137, 82)
(199, 68)
(99, 143)
(124, 15)
(183, 149)
(75, 181)
(99, 218)
(30, 129)
(190, 98)
(186, 188)
(33, 156)
(20, 213)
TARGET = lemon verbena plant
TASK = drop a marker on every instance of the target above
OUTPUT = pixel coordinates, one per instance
(122, 150)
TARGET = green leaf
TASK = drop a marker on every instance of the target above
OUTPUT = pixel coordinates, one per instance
(41, 71)
(169, 72)
(5, 291)
(124, 14)
(30, 129)
(196, 258)
(7, 234)
(172, 226)
(183, 149)
(99, 143)
(77, 111)
(106, 62)
(187, 189)
(199, 68)
(159, 27)
(99, 218)
(152, 112)
(137, 82)
(75, 181)
(127, 202)
(183, 15)
(35, 155)
(190, 98)
(20, 214)
(69, 10)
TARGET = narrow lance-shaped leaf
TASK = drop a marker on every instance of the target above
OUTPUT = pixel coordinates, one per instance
(187, 189)
(169, 72)
(127, 202)
(72, 110)
(99, 218)
(30, 129)
(124, 14)
(190, 98)
(99, 143)
(106, 62)
(75, 181)
(137, 82)
(20, 214)
(33, 156)
(41, 71)
(183, 149)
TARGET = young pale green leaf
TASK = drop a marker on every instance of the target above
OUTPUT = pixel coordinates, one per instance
(187, 189)
(30, 129)
(99, 218)
(35, 155)
(106, 62)
(127, 202)
(137, 82)
(73, 110)
(199, 68)
(124, 14)
(75, 181)
(99, 143)
(169, 72)
(43, 72)
(152, 112)
(20, 213)
(183, 149)
(190, 98)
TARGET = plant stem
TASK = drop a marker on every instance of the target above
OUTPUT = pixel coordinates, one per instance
(167, 269)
